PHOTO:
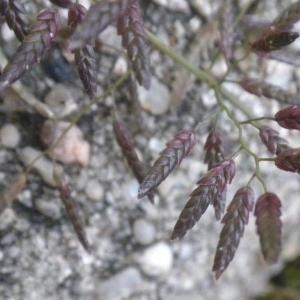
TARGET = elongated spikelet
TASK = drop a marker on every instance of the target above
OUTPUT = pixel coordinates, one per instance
(214, 155)
(289, 160)
(289, 117)
(226, 27)
(16, 18)
(178, 148)
(235, 219)
(130, 26)
(280, 33)
(71, 210)
(271, 139)
(210, 187)
(214, 150)
(126, 143)
(33, 48)
(268, 223)
(85, 58)
(260, 88)
(99, 16)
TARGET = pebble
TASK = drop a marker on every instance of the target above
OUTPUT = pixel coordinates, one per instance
(157, 260)
(71, 149)
(121, 66)
(94, 190)
(143, 231)
(49, 208)
(157, 99)
(121, 285)
(60, 100)
(43, 166)
(9, 136)
(7, 218)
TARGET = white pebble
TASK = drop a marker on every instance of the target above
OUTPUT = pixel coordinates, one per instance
(60, 100)
(156, 100)
(94, 190)
(9, 136)
(157, 260)
(121, 66)
(143, 231)
(121, 285)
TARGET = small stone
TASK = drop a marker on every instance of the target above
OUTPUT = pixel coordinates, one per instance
(156, 100)
(71, 148)
(60, 100)
(43, 166)
(157, 260)
(49, 208)
(7, 218)
(9, 136)
(121, 66)
(94, 190)
(121, 285)
(143, 231)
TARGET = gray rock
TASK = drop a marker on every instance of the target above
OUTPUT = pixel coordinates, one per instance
(143, 231)
(156, 100)
(9, 136)
(121, 285)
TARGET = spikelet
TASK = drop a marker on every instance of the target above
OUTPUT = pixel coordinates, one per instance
(289, 160)
(268, 212)
(176, 149)
(130, 26)
(126, 143)
(226, 27)
(33, 48)
(85, 58)
(71, 209)
(289, 117)
(16, 18)
(271, 139)
(210, 186)
(260, 88)
(99, 16)
(280, 33)
(234, 221)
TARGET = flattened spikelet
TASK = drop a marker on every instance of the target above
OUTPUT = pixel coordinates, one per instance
(260, 88)
(131, 27)
(17, 19)
(210, 187)
(234, 221)
(271, 139)
(98, 17)
(71, 210)
(289, 117)
(226, 26)
(33, 48)
(268, 223)
(280, 33)
(85, 58)
(178, 148)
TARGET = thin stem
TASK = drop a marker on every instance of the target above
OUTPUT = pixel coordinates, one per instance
(256, 120)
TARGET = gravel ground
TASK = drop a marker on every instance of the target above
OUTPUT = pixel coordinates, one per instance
(131, 255)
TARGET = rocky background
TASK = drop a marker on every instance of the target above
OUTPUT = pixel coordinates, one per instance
(131, 255)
